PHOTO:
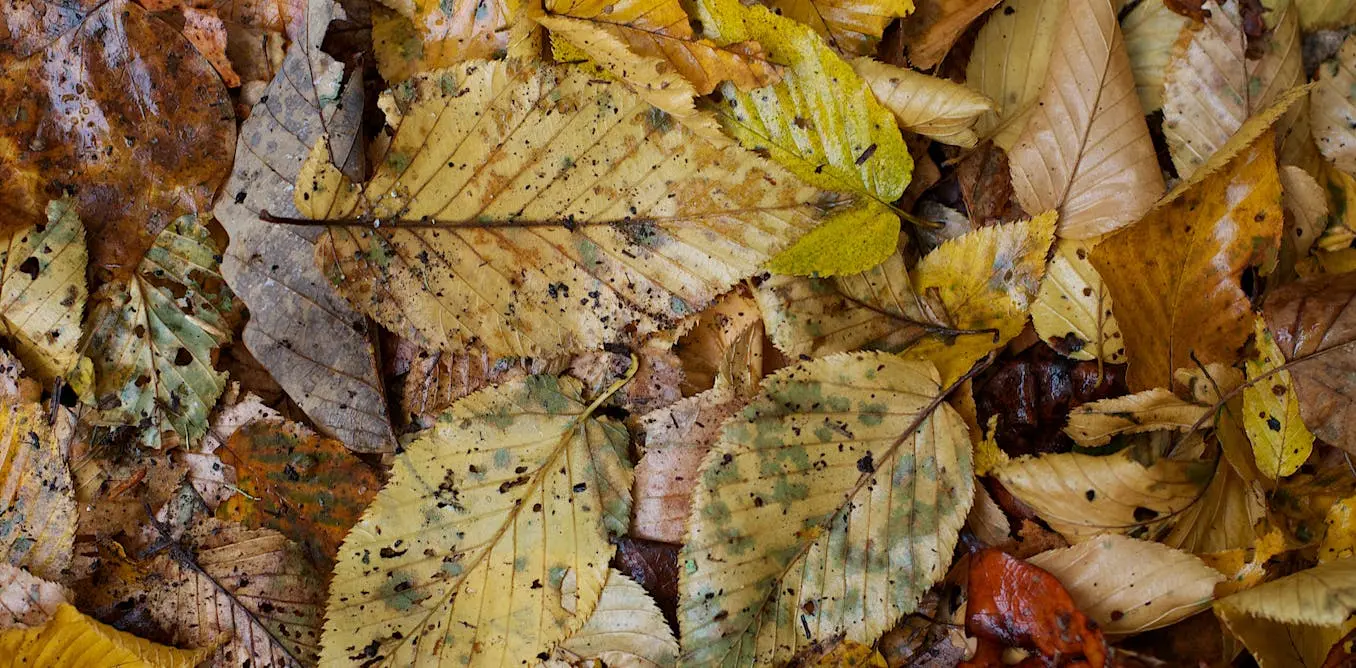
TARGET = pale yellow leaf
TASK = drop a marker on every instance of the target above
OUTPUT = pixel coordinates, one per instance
(1009, 62)
(1339, 536)
(851, 27)
(987, 520)
(1151, 29)
(1086, 150)
(37, 500)
(72, 640)
(42, 291)
(1129, 586)
(1325, 14)
(1073, 307)
(429, 35)
(1271, 410)
(1293, 621)
(1081, 496)
(1224, 518)
(726, 340)
(1158, 409)
(1306, 204)
(849, 450)
(626, 630)
(26, 600)
(479, 549)
(1333, 110)
(929, 106)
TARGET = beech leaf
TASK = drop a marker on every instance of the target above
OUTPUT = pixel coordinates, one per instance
(1158, 409)
(930, 106)
(1151, 29)
(1009, 63)
(37, 500)
(43, 293)
(26, 600)
(429, 35)
(1293, 621)
(851, 28)
(1271, 412)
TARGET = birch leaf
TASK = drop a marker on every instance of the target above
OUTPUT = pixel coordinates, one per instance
(1009, 63)
(930, 106)
(1294, 620)
(517, 485)
(37, 500)
(154, 336)
(42, 291)
(293, 310)
(851, 28)
(840, 490)
(1086, 150)
(1158, 409)
(1325, 14)
(526, 255)
(428, 35)
(1073, 308)
(1175, 275)
(73, 640)
(626, 629)
(27, 601)
(1333, 110)
(661, 29)
(1271, 412)
(1130, 586)
(1151, 29)
(1081, 496)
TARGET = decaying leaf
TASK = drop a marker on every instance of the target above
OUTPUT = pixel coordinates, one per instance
(1294, 621)
(818, 461)
(27, 601)
(1324, 14)
(851, 28)
(429, 35)
(517, 485)
(1271, 411)
(37, 501)
(727, 340)
(1085, 151)
(1129, 586)
(530, 264)
(1081, 496)
(935, 25)
(930, 106)
(1306, 206)
(1096, 423)
(1151, 28)
(1226, 516)
(42, 291)
(1012, 54)
(1333, 109)
(626, 629)
(1072, 311)
(73, 640)
(1339, 535)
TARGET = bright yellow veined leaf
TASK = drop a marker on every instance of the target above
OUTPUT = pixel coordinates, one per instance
(847, 242)
(626, 629)
(930, 106)
(1293, 621)
(1073, 308)
(1151, 29)
(852, 449)
(1081, 496)
(661, 29)
(518, 486)
(1339, 536)
(1129, 586)
(1085, 151)
(852, 28)
(42, 291)
(72, 640)
(984, 282)
(429, 35)
(1333, 108)
(37, 500)
(1158, 409)
(1009, 63)
(1325, 14)
(572, 243)
(28, 601)
(1271, 411)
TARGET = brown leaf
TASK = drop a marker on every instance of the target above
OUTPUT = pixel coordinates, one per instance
(436, 379)
(935, 25)
(653, 566)
(985, 182)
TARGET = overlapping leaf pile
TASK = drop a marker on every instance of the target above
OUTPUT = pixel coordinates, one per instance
(658, 333)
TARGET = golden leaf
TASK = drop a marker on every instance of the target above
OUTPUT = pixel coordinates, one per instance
(1293, 621)
(1009, 63)
(72, 640)
(1073, 308)
(1158, 409)
(428, 35)
(850, 27)
(1271, 412)
(37, 500)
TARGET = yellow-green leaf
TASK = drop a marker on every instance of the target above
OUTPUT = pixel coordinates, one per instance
(1158, 409)
(850, 241)
(831, 503)
(42, 291)
(1271, 411)
(1073, 308)
(490, 543)
(72, 640)
(1325, 14)
(1339, 535)
(930, 106)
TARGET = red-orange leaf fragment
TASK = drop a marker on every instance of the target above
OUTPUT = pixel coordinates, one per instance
(1014, 604)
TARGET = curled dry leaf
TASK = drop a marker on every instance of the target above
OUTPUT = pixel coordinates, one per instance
(1129, 586)
(546, 279)
(850, 449)
(1085, 151)
(1295, 620)
(726, 340)
(1081, 496)
(1334, 108)
(930, 106)
(1072, 311)
(1225, 517)
(1271, 411)
(852, 28)
(1151, 410)
(27, 601)
(73, 640)
(935, 25)
(293, 311)
(437, 379)
(626, 629)
(1151, 29)
(519, 485)
(1009, 63)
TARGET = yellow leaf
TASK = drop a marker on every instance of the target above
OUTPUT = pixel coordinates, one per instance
(850, 241)
(935, 25)
(1334, 108)
(1271, 412)
(1175, 275)
(1293, 621)
(1306, 204)
(930, 106)
(1325, 14)
(1158, 409)
(626, 629)
(481, 498)
(72, 640)
(991, 302)
(1151, 29)
(429, 35)
(572, 243)
(842, 654)
(851, 27)
(852, 449)
(1081, 496)
(660, 29)
(1086, 150)
(988, 456)
(1244, 567)
(1129, 586)
(1009, 64)
(42, 291)
(1339, 539)
(37, 500)
(1073, 307)
(1224, 518)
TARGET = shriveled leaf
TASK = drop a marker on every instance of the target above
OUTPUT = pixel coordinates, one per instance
(437, 379)
(519, 254)
(1073, 311)
(626, 629)
(42, 291)
(1271, 411)
(1081, 496)
(293, 311)
(991, 303)
(853, 449)
(27, 601)
(154, 336)
(727, 340)
(935, 25)
(1315, 328)
(1151, 28)
(1009, 63)
(1086, 150)
(37, 500)
(930, 106)
(1129, 586)
(517, 485)
(1325, 14)
(73, 640)
(851, 27)
(1175, 275)
(1151, 410)
(428, 35)
(847, 242)
(661, 29)
(1294, 621)
(1334, 107)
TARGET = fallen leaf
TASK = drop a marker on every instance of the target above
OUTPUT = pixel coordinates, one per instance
(27, 601)
(429, 35)
(847, 242)
(985, 182)
(37, 501)
(851, 28)
(1086, 150)
(1293, 621)
(626, 629)
(779, 495)
(653, 566)
(43, 293)
(205, 30)
(1339, 536)
(1271, 411)
(1225, 518)
(1306, 206)
(1096, 423)
(930, 106)
(1130, 586)
(73, 640)
(1073, 311)
(468, 502)
(727, 340)
(1324, 14)
(838, 654)
(987, 520)
(1245, 567)
(1009, 64)
(438, 379)
(1333, 108)
(935, 25)
(1151, 29)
